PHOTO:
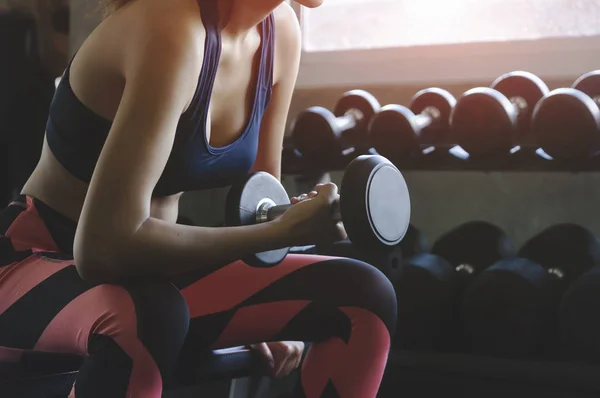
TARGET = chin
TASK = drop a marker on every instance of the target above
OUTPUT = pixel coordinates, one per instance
(310, 3)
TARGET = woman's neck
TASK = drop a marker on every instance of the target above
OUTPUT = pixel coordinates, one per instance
(239, 17)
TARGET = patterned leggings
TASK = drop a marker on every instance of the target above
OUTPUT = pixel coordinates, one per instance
(132, 335)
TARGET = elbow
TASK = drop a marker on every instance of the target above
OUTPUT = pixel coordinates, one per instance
(98, 262)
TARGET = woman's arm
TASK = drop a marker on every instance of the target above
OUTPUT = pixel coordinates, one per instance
(288, 48)
(116, 237)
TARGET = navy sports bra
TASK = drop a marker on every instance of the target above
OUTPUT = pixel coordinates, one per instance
(76, 135)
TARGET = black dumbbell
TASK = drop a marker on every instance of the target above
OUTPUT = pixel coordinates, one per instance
(318, 133)
(374, 205)
(579, 320)
(510, 310)
(397, 132)
(414, 242)
(566, 122)
(493, 121)
(386, 259)
(430, 285)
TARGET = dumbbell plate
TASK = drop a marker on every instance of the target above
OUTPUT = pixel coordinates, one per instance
(360, 100)
(484, 122)
(314, 133)
(242, 202)
(589, 84)
(437, 98)
(392, 132)
(374, 202)
(523, 85)
(566, 124)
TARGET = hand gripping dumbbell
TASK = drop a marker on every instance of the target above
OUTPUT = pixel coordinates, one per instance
(566, 122)
(431, 285)
(374, 205)
(318, 133)
(397, 132)
(490, 121)
(510, 309)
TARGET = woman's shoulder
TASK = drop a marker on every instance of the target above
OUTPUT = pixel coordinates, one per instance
(288, 43)
(166, 31)
(286, 22)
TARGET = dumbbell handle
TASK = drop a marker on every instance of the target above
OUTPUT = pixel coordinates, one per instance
(557, 272)
(430, 115)
(349, 120)
(268, 211)
(519, 103)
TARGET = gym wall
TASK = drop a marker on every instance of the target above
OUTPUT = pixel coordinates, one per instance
(521, 203)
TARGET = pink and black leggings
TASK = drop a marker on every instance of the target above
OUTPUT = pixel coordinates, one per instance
(132, 335)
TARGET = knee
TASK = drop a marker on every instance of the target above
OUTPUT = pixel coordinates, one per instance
(153, 313)
(370, 289)
(161, 311)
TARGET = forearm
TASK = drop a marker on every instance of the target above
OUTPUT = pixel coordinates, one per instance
(160, 248)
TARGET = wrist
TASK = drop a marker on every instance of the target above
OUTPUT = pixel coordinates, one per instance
(281, 233)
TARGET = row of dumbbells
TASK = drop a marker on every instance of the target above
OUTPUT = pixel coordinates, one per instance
(474, 291)
(518, 113)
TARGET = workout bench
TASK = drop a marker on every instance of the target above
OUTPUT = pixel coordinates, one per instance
(228, 373)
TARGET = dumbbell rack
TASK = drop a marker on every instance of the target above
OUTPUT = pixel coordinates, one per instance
(447, 159)
(433, 374)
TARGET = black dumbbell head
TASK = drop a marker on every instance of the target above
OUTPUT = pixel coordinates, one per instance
(414, 242)
(478, 244)
(505, 309)
(566, 125)
(425, 290)
(437, 98)
(314, 133)
(525, 85)
(374, 202)
(589, 84)
(570, 248)
(392, 132)
(579, 318)
(484, 122)
(359, 100)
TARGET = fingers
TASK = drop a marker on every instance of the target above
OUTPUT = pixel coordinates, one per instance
(304, 196)
(329, 189)
(265, 352)
(291, 358)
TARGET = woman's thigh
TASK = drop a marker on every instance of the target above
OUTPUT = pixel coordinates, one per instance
(305, 298)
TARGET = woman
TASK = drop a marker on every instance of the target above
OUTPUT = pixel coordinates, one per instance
(164, 97)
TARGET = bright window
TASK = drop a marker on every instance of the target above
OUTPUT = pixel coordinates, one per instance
(564, 35)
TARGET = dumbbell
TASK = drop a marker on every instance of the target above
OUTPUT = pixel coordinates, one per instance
(374, 205)
(510, 310)
(414, 242)
(387, 259)
(579, 320)
(490, 121)
(318, 133)
(397, 132)
(430, 286)
(566, 122)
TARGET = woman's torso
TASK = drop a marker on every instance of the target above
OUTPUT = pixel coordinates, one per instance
(217, 135)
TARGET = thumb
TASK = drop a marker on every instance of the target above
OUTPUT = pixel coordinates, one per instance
(265, 352)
